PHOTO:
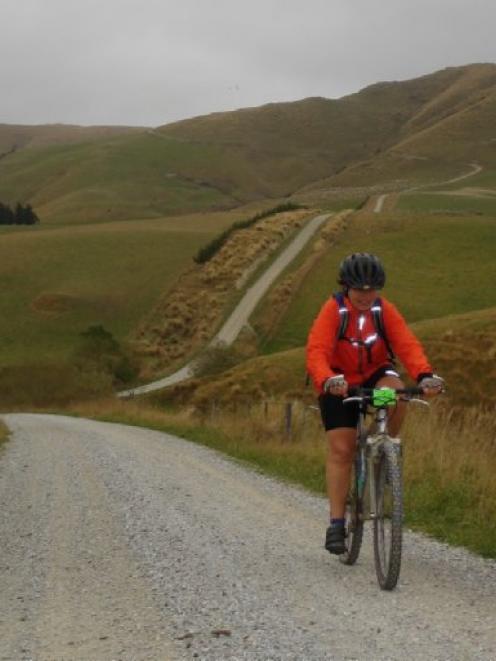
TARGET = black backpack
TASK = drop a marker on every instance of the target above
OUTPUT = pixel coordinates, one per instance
(376, 309)
(377, 316)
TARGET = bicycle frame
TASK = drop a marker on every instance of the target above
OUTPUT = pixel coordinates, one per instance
(377, 473)
(370, 448)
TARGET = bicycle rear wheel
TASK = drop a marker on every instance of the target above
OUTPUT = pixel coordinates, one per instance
(354, 512)
(388, 522)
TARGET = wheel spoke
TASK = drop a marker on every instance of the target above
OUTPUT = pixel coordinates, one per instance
(388, 522)
(354, 519)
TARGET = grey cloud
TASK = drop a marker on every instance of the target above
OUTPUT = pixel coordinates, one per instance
(154, 61)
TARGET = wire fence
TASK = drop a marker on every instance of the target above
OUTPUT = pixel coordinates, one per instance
(289, 420)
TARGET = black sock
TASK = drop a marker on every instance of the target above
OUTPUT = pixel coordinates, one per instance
(337, 522)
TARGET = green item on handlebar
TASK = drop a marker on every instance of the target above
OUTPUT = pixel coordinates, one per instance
(384, 397)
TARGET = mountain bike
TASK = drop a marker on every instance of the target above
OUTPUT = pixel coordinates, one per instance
(376, 491)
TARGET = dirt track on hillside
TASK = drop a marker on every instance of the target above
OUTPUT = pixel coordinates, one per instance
(376, 203)
(123, 543)
(240, 315)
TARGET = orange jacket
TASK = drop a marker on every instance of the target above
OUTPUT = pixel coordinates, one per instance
(327, 357)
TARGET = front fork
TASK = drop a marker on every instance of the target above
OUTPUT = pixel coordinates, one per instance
(374, 451)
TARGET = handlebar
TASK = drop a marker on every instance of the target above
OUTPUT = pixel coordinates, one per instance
(365, 393)
(382, 397)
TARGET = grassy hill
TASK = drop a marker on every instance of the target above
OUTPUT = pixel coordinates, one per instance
(458, 345)
(59, 281)
(389, 135)
(16, 137)
(436, 265)
(136, 176)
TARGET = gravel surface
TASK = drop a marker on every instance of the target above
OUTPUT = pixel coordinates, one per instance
(123, 543)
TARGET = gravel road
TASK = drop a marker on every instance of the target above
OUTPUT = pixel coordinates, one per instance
(123, 543)
(242, 312)
(475, 168)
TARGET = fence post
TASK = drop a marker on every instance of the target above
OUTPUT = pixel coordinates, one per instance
(288, 419)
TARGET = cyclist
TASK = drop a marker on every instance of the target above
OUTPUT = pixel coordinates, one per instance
(358, 355)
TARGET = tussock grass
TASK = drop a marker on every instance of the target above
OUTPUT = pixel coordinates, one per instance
(272, 309)
(188, 314)
(207, 252)
(450, 460)
(449, 456)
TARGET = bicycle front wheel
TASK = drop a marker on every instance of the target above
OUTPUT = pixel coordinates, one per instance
(388, 522)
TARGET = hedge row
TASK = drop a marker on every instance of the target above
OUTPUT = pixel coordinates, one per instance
(207, 252)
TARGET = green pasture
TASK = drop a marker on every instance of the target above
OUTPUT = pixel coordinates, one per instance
(436, 266)
(58, 281)
(141, 175)
(486, 178)
(442, 203)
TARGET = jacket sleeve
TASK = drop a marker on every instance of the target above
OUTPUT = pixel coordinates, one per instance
(404, 343)
(321, 344)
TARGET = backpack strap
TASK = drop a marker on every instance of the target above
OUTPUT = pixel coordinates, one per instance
(378, 318)
(343, 315)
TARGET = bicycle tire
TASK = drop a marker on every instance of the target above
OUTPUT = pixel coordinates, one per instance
(354, 514)
(388, 522)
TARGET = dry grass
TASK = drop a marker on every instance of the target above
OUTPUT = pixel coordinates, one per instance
(271, 311)
(187, 316)
(459, 445)
(449, 456)
(449, 476)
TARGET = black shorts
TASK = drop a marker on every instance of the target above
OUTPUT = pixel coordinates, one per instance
(336, 414)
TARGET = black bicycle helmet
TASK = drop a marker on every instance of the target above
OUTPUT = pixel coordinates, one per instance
(361, 270)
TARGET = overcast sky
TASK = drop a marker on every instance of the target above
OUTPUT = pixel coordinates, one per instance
(150, 62)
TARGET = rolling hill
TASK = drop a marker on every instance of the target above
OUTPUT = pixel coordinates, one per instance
(15, 137)
(388, 136)
(83, 265)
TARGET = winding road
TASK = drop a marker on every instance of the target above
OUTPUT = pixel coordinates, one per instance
(240, 315)
(475, 169)
(121, 543)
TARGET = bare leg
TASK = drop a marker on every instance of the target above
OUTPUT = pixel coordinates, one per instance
(340, 454)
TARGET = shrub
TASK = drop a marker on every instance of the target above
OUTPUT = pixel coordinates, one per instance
(99, 352)
(212, 248)
(215, 359)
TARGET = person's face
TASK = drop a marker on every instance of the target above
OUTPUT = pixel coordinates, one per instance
(362, 299)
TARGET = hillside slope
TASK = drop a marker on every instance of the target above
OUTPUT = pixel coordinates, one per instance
(457, 345)
(389, 135)
(15, 137)
(454, 127)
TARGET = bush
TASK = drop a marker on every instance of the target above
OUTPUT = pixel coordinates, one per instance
(215, 359)
(99, 352)
(21, 215)
(212, 248)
